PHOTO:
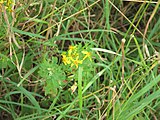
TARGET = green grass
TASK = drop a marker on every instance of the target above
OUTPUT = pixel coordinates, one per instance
(35, 34)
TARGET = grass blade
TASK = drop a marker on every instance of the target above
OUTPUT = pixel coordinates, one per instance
(80, 70)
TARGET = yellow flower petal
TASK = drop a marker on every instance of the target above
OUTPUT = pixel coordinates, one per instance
(87, 54)
(72, 47)
(65, 59)
(76, 62)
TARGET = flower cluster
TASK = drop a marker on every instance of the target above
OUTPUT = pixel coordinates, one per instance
(75, 56)
(7, 4)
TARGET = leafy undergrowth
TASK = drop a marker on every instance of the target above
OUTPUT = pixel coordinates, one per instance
(93, 60)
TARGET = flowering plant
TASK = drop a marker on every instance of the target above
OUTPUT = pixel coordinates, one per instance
(7, 4)
(58, 75)
(75, 56)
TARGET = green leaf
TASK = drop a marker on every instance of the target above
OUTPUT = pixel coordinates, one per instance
(27, 33)
(53, 75)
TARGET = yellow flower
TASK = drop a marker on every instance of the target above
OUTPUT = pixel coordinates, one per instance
(72, 50)
(87, 54)
(76, 62)
(1, 2)
(7, 5)
(72, 47)
(65, 59)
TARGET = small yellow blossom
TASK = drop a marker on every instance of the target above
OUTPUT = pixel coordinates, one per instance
(87, 54)
(72, 50)
(72, 47)
(65, 59)
(1, 1)
(76, 62)
(74, 57)
(7, 5)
